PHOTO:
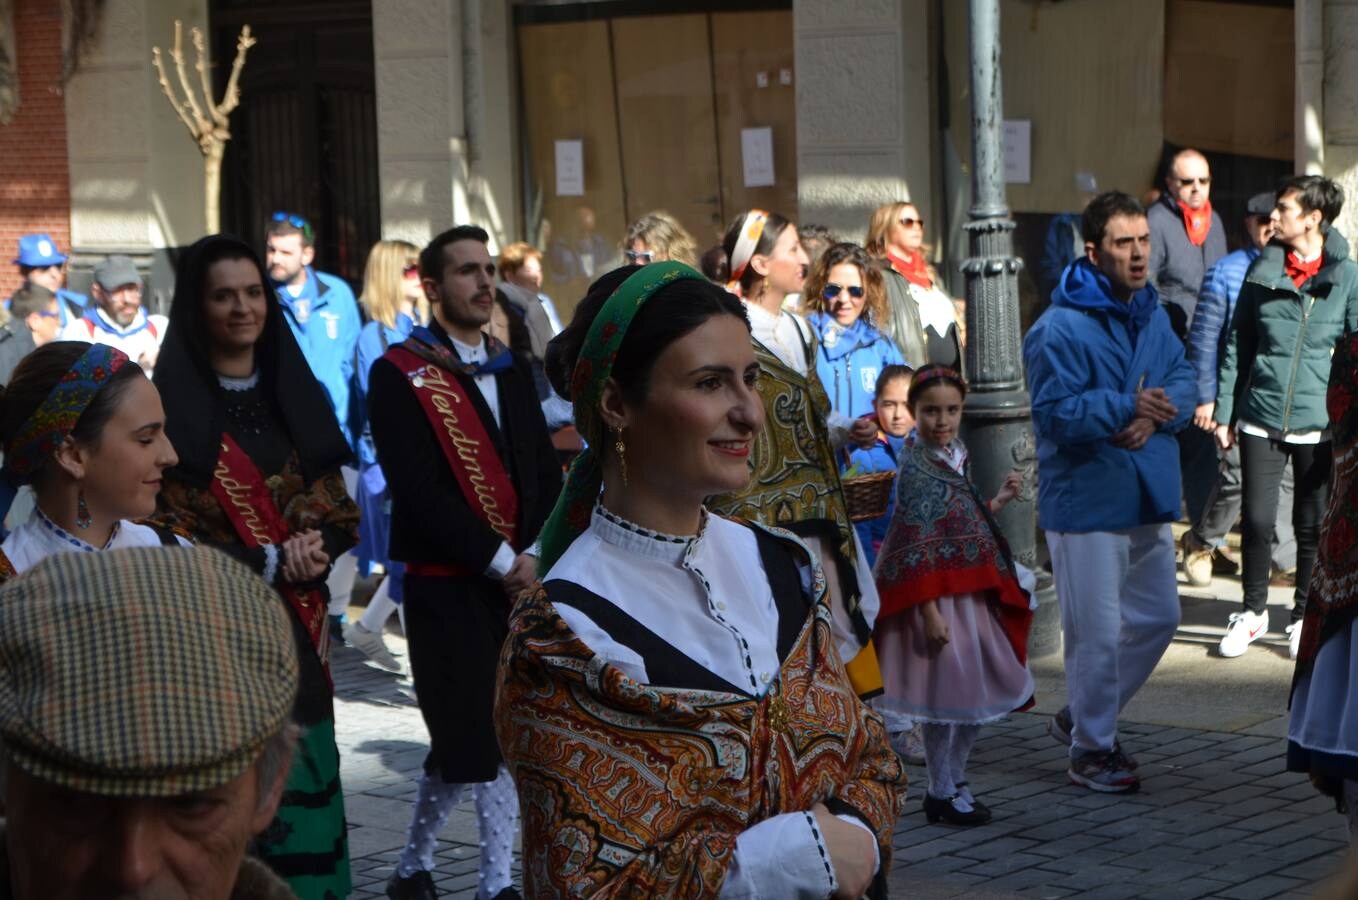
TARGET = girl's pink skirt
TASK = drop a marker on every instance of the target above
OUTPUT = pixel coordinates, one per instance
(974, 679)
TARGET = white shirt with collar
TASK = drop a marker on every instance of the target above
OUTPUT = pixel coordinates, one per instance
(40, 537)
(718, 610)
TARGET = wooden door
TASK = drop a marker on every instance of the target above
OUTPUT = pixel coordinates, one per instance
(752, 60)
(667, 122)
(568, 81)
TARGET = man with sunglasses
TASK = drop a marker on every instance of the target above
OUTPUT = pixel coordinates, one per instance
(41, 263)
(1187, 239)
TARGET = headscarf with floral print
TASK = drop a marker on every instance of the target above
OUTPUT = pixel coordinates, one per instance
(593, 368)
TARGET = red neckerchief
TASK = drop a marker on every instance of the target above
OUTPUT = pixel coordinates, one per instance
(914, 268)
(1301, 272)
(1197, 222)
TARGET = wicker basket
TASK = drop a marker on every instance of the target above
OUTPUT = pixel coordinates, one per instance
(867, 496)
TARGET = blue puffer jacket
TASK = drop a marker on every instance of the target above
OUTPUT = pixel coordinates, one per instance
(1212, 318)
(1086, 357)
(325, 321)
(882, 456)
(849, 361)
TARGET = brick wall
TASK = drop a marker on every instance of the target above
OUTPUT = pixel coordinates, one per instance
(35, 179)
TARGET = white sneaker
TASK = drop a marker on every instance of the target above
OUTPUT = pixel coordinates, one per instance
(1245, 628)
(1293, 638)
(372, 646)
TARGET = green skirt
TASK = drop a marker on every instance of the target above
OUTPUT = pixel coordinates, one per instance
(306, 843)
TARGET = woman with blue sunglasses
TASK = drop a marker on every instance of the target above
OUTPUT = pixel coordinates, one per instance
(845, 299)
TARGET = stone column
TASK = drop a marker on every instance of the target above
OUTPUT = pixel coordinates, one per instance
(998, 419)
(865, 99)
(1340, 104)
(437, 167)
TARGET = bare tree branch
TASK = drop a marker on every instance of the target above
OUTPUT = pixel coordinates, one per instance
(169, 93)
(178, 56)
(232, 96)
(200, 51)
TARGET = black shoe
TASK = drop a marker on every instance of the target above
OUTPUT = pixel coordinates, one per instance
(508, 894)
(935, 809)
(975, 803)
(419, 886)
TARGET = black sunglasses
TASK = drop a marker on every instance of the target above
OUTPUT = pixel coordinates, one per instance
(907, 221)
(832, 290)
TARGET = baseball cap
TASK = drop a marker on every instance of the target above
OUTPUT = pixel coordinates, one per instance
(116, 271)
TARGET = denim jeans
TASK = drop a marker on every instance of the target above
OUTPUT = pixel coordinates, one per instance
(1261, 466)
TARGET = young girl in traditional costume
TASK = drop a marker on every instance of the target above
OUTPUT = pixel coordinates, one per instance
(952, 635)
(259, 479)
(85, 428)
(672, 704)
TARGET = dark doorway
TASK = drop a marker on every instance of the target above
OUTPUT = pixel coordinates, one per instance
(304, 139)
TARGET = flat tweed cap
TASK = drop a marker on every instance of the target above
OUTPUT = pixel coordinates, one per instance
(147, 672)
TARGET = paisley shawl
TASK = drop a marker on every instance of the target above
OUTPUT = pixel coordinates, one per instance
(943, 540)
(632, 790)
(1332, 601)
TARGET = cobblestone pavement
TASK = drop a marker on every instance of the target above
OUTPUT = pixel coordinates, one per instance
(1217, 815)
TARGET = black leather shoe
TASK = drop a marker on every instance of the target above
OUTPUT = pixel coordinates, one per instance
(508, 894)
(936, 809)
(975, 803)
(419, 886)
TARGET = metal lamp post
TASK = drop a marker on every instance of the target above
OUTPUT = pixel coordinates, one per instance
(997, 419)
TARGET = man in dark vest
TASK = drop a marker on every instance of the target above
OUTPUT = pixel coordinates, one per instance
(472, 475)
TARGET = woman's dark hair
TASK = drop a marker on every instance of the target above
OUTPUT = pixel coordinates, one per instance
(672, 312)
(874, 287)
(1315, 192)
(889, 374)
(1094, 221)
(930, 375)
(39, 372)
(774, 225)
(715, 264)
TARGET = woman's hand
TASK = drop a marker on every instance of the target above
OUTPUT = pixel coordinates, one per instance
(863, 433)
(851, 853)
(304, 559)
(1225, 437)
(935, 628)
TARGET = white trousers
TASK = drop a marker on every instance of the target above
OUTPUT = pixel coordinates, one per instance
(343, 571)
(1119, 600)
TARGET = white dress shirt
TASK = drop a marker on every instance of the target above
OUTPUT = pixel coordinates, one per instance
(503, 560)
(719, 611)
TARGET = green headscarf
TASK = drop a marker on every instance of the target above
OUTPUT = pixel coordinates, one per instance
(593, 368)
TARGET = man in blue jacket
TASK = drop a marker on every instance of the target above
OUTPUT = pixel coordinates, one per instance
(1110, 388)
(323, 315)
(1206, 343)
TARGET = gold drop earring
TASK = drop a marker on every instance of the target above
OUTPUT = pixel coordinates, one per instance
(621, 449)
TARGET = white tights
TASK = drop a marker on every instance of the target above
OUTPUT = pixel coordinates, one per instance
(497, 813)
(946, 750)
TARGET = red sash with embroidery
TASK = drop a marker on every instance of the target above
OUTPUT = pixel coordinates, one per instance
(467, 447)
(244, 495)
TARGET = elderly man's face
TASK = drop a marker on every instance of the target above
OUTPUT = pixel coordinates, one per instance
(67, 845)
(1190, 180)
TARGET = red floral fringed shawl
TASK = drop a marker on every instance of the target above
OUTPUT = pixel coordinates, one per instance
(630, 790)
(943, 540)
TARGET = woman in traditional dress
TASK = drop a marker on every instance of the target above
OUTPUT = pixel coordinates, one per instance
(259, 478)
(1321, 740)
(922, 319)
(672, 704)
(87, 431)
(796, 484)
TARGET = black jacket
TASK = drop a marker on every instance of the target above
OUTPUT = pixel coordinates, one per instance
(431, 521)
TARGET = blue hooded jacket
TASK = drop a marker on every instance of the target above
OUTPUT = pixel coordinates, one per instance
(849, 360)
(325, 321)
(1086, 358)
